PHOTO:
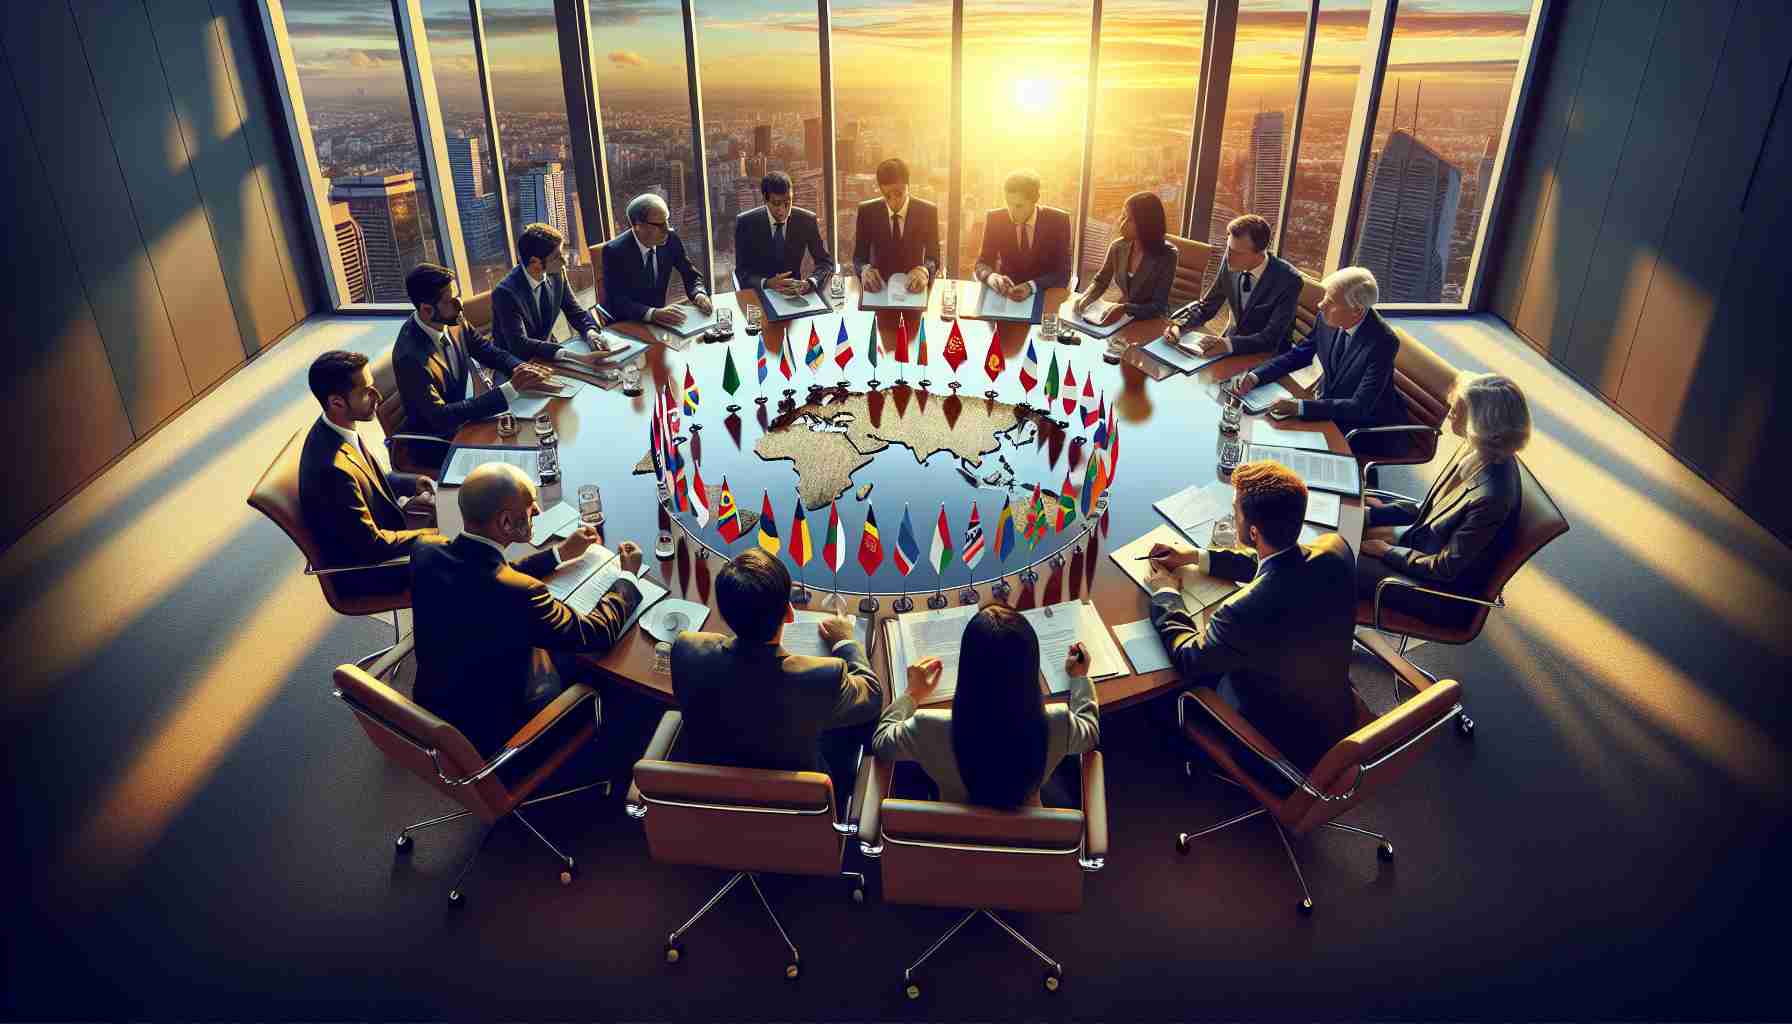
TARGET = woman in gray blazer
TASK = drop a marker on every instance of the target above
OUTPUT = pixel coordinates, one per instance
(1000, 742)
(1141, 263)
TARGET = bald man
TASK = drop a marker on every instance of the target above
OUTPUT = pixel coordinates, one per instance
(485, 627)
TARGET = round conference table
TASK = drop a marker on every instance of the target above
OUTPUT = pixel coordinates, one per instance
(1168, 439)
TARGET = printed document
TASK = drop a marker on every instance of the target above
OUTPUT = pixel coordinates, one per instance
(1258, 400)
(1198, 590)
(1262, 431)
(929, 634)
(1196, 504)
(786, 306)
(803, 635)
(993, 305)
(1093, 312)
(1060, 625)
(463, 459)
(1183, 360)
(1144, 647)
(1323, 507)
(1317, 469)
(894, 295)
(558, 521)
(695, 320)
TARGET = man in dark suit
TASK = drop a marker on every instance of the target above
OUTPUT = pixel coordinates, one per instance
(1278, 649)
(434, 368)
(749, 704)
(638, 265)
(770, 240)
(1355, 347)
(1260, 289)
(485, 626)
(1026, 247)
(528, 301)
(356, 513)
(897, 234)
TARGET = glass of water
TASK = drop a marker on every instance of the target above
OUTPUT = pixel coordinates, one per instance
(754, 318)
(591, 505)
(1048, 327)
(631, 380)
(725, 319)
(1224, 536)
(837, 285)
(949, 300)
(662, 658)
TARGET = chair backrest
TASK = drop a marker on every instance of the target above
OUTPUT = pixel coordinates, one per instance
(276, 495)
(390, 411)
(960, 855)
(595, 256)
(1191, 267)
(1423, 379)
(740, 819)
(477, 310)
(1370, 758)
(1537, 522)
(1306, 308)
(407, 732)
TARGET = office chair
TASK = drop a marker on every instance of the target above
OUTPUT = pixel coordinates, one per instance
(1423, 379)
(1306, 310)
(744, 820)
(938, 854)
(1355, 767)
(387, 585)
(1535, 523)
(440, 755)
(402, 448)
(1191, 264)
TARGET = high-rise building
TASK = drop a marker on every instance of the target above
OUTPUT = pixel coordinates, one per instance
(762, 140)
(846, 156)
(351, 249)
(812, 141)
(1407, 220)
(1097, 236)
(465, 163)
(675, 186)
(541, 196)
(756, 167)
(1216, 237)
(806, 192)
(1269, 165)
(396, 234)
(481, 227)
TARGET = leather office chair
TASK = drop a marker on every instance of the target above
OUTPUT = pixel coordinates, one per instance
(276, 495)
(1306, 309)
(941, 854)
(1535, 523)
(408, 452)
(1355, 767)
(1423, 379)
(1191, 267)
(440, 755)
(745, 820)
(476, 309)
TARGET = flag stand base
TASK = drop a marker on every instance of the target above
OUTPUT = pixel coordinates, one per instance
(662, 549)
(869, 604)
(937, 601)
(968, 595)
(902, 605)
(1001, 589)
(1029, 577)
(799, 595)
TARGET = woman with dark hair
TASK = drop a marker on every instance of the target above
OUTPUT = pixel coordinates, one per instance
(1000, 741)
(1141, 263)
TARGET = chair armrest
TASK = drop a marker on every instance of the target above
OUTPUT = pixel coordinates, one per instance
(1245, 733)
(567, 703)
(1384, 651)
(1376, 492)
(604, 317)
(855, 801)
(877, 783)
(382, 662)
(1406, 584)
(387, 564)
(1397, 428)
(1095, 812)
(665, 735)
(429, 438)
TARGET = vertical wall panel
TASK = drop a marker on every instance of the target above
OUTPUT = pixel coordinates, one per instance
(1682, 66)
(134, 96)
(1584, 171)
(57, 94)
(186, 41)
(58, 383)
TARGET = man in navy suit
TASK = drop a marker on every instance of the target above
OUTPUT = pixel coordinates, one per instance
(638, 264)
(898, 235)
(530, 298)
(1259, 288)
(1026, 247)
(770, 240)
(1356, 349)
(434, 368)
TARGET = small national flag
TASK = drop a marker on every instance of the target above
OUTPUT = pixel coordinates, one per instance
(653, 447)
(727, 516)
(1066, 511)
(995, 362)
(1090, 416)
(699, 500)
(921, 345)
(871, 546)
(801, 550)
(680, 499)
(763, 369)
(1041, 517)
(1113, 442)
(768, 526)
(1095, 479)
(691, 397)
(1100, 438)
(842, 347)
(1029, 367)
(833, 545)
(784, 361)
(1030, 518)
(871, 344)
(813, 355)
(671, 408)
(731, 376)
(955, 353)
(1005, 531)
(942, 553)
(1069, 389)
(1051, 382)
(973, 540)
(902, 339)
(908, 551)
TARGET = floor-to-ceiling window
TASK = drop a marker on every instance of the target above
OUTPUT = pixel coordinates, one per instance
(471, 158)
(1325, 126)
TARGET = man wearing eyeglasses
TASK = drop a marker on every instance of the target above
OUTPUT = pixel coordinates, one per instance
(638, 265)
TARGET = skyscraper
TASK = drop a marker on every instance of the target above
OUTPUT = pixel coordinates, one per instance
(806, 192)
(1216, 237)
(396, 234)
(675, 186)
(541, 196)
(846, 155)
(762, 140)
(480, 224)
(1269, 165)
(812, 141)
(1097, 236)
(1408, 219)
(351, 249)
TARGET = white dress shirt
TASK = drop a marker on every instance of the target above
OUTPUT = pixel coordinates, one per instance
(443, 341)
(1256, 273)
(537, 284)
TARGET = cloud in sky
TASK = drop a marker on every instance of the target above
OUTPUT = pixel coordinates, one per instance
(627, 59)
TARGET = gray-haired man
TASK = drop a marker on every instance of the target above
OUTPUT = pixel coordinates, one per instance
(639, 263)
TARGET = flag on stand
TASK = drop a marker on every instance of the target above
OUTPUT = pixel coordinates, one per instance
(763, 369)
(1113, 442)
(921, 345)
(653, 447)
(1066, 512)
(1090, 416)
(908, 551)
(1100, 437)
(1051, 383)
(731, 376)
(972, 552)
(671, 412)
(1033, 518)
(871, 344)
(871, 546)
(1005, 531)
(1069, 388)
(768, 527)
(941, 556)
(902, 339)
(699, 500)
(727, 516)
(833, 545)
(1041, 517)
(813, 355)
(800, 548)
(995, 362)
(680, 498)
(842, 347)
(1095, 479)
(691, 397)
(784, 360)
(1029, 367)
(954, 352)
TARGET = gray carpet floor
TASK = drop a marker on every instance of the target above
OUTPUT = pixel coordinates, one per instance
(201, 831)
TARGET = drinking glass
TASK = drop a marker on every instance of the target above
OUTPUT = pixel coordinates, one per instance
(725, 319)
(837, 285)
(949, 301)
(662, 658)
(506, 426)
(631, 380)
(755, 318)
(1048, 327)
(591, 505)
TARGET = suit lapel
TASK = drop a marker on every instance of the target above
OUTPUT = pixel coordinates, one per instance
(1468, 487)
(364, 461)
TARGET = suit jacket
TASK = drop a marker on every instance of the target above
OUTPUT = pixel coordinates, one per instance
(630, 293)
(1146, 294)
(925, 736)
(522, 327)
(1267, 323)
(431, 387)
(1047, 263)
(349, 505)
(478, 622)
(754, 260)
(920, 246)
(1284, 639)
(756, 706)
(1457, 532)
(1357, 389)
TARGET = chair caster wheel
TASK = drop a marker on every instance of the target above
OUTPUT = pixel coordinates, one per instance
(566, 876)
(913, 990)
(1465, 727)
(858, 894)
(1182, 842)
(403, 843)
(1306, 907)
(674, 952)
(1052, 980)
(793, 970)
(1385, 851)
(454, 897)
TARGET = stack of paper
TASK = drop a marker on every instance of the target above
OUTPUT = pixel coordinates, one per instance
(1317, 469)
(695, 320)
(894, 295)
(1323, 507)
(1144, 647)
(929, 634)
(803, 635)
(1058, 626)
(1308, 375)
(1087, 322)
(1258, 400)
(993, 305)
(1196, 504)
(586, 594)
(1179, 358)
(1198, 590)
(782, 307)
(558, 521)
(1264, 432)
(463, 459)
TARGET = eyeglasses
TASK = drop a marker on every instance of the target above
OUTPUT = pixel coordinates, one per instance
(655, 224)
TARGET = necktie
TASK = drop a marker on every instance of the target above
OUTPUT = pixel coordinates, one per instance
(653, 265)
(546, 308)
(1244, 284)
(778, 244)
(1026, 237)
(451, 353)
(896, 228)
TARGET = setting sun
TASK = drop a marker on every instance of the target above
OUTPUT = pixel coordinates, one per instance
(1035, 95)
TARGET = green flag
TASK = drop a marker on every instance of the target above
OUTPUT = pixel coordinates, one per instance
(871, 344)
(730, 376)
(1051, 381)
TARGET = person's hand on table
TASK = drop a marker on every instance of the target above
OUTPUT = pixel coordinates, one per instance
(924, 678)
(834, 629)
(577, 544)
(424, 497)
(917, 279)
(1160, 578)
(1372, 501)
(1282, 408)
(1110, 314)
(1021, 290)
(701, 301)
(999, 283)
(1242, 384)
(871, 280)
(1076, 663)
(667, 316)
(530, 376)
(1208, 345)
(1376, 548)
(628, 555)
(784, 284)
(1173, 556)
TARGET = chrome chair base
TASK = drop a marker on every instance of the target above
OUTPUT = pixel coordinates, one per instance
(456, 894)
(1054, 971)
(794, 968)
